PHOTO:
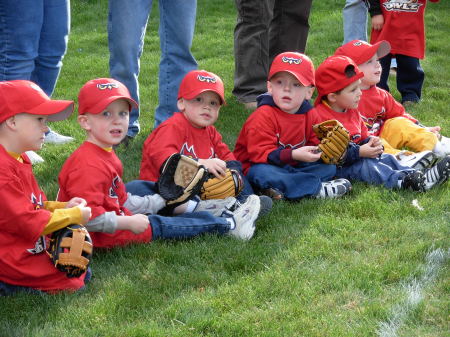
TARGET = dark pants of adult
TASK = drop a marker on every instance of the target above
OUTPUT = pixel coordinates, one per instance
(410, 76)
(264, 29)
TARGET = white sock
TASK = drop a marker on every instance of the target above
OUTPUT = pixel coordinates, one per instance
(191, 206)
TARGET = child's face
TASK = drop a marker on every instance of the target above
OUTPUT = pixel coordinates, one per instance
(287, 92)
(372, 72)
(201, 111)
(109, 127)
(348, 98)
(31, 131)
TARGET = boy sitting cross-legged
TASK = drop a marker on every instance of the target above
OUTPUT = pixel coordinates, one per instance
(338, 81)
(386, 118)
(276, 144)
(94, 171)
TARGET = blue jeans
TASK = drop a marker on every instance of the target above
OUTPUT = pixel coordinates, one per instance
(410, 76)
(354, 16)
(127, 22)
(294, 182)
(379, 171)
(33, 40)
(183, 226)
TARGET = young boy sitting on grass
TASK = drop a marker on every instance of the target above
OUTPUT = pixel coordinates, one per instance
(386, 118)
(338, 81)
(95, 172)
(191, 132)
(26, 215)
(275, 144)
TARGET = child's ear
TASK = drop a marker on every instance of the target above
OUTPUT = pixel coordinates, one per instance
(83, 120)
(332, 97)
(269, 87)
(180, 105)
(11, 122)
(309, 92)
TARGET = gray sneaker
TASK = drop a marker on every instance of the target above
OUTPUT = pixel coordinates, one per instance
(244, 217)
(334, 189)
(438, 174)
(215, 206)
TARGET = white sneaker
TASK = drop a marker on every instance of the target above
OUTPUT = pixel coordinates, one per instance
(215, 206)
(419, 161)
(442, 147)
(34, 157)
(244, 218)
(55, 138)
(438, 174)
(334, 189)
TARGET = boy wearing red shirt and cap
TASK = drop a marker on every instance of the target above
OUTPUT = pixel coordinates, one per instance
(276, 143)
(26, 216)
(401, 23)
(191, 132)
(338, 81)
(125, 214)
(386, 118)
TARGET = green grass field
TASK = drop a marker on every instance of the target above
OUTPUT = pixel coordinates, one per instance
(370, 264)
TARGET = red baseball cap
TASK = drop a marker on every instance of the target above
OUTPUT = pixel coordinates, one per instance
(296, 64)
(331, 77)
(95, 95)
(361, 51)
(21, 96)
(197, 81)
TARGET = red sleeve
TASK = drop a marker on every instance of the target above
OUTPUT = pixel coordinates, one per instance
(164, 141)
(364, 130)
(311, 120)
(20, 215)
(395, 109)
(220, 148)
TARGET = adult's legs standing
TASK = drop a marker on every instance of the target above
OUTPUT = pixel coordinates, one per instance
(251, 48)
(127, 23)
(385, 63)
(289, 27)
(354, 16)
(176, 32)
(410, 77)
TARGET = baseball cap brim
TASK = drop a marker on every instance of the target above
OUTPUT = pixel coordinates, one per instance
(56, 110)
(101, 105)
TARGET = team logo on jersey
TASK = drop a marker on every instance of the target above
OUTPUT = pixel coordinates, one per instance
(208, 79)
(291, 60)
(402, 5)
(104, 86)
(114, 185)
(39, 246)
(189, 151)
(37, 202)
(290, 146)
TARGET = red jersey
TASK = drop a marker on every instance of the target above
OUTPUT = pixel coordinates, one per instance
(376, 106)
(268, 129)
(404, 27)
(95, 174)
(177, 135)
(350, 119)
(23, 258)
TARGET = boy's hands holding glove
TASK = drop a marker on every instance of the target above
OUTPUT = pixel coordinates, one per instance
(334, 139)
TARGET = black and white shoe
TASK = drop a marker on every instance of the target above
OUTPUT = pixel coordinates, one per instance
(438, 174)
(414, 181)
(334, 189)
(418, 161)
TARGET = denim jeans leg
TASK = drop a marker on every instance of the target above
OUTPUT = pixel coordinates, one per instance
(354, 16)
(127, 23)
(52, 44)
(187, 225)
(294, 183)
(141, 187)
(176, 32)
(20, 27)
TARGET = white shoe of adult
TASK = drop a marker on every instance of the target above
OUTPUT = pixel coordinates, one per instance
(244, 218)
(34, 157)
(55, 138)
